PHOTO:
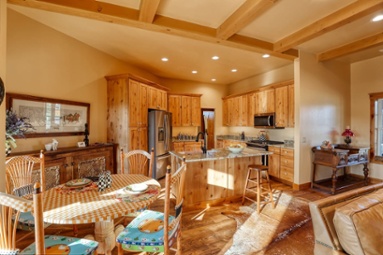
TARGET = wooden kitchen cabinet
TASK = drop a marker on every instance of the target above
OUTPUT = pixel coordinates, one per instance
(287, 165)
(157, 99)
(235, 111)
(70, 163)
(128, 100)
(274, 160)
(281, 106)
(187, 146)
(291, 100)
(265, 101)
(185, 109)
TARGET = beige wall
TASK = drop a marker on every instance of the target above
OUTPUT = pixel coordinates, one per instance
(366, 77)
(324, 109)
(43, 62)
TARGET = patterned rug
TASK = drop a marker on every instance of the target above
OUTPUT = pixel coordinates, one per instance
(287, 229)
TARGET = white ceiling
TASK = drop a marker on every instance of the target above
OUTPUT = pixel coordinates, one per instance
(144, 44)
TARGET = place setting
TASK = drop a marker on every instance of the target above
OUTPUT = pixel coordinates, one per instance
(77, 185)
(136, 192)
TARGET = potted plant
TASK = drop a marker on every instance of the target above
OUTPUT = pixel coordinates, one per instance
(15, 127)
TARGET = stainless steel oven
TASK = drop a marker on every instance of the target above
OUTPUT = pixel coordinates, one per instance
(263, 145)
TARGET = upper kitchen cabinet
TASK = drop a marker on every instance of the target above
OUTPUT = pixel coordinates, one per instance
(157, 99)
(128, 99)
(236, 111)
(185, 109)
(284, 105)
(264, 101)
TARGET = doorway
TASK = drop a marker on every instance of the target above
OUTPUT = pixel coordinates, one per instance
(209, 113)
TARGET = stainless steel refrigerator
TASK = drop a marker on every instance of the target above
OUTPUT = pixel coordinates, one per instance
(160, 137)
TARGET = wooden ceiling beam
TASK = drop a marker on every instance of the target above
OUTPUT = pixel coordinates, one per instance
(331, 22)
(129, 17)
(353, 47)
(148, 10)
(245, 14)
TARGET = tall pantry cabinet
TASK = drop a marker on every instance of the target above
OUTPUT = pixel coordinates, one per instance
(128, 102)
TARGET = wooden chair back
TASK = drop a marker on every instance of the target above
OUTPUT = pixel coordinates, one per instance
(19, 171)
(174, 189)
(138, 162)
(11, 207)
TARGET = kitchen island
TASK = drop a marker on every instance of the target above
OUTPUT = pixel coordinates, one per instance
(216, 177)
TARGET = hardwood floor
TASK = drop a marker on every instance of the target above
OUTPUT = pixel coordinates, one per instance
(204, 230)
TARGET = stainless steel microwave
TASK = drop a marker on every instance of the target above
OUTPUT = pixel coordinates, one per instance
(264, 120)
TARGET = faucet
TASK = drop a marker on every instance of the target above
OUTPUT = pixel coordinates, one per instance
(204, 147)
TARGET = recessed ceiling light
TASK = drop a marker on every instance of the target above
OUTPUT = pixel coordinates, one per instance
(378, 18)
(165, 59)
(381, 50)
(194, 71)
(265, 55)
(213, 79)
(215, 58)
(234, 70)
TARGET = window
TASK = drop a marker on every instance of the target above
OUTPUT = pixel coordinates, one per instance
(376, 127)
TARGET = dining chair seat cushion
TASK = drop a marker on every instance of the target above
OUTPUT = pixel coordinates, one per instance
(145, 233)
(64, 245)
(27, 222)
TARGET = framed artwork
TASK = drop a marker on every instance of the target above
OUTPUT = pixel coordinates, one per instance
(50, 117)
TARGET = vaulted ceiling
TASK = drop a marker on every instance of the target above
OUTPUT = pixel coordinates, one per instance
(190, 32)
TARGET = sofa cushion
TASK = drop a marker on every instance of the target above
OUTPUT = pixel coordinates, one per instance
(359, 224)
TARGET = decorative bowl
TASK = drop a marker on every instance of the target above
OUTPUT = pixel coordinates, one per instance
(235, 148)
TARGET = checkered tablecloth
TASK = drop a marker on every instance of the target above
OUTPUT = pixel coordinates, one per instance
(94, 206)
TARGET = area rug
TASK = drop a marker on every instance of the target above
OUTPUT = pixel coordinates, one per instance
(286, 229)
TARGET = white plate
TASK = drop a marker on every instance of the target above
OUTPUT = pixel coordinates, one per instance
(138, 187)
(78, 182)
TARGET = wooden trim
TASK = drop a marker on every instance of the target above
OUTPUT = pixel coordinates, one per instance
(356, 46)
(136, 78)
(245, 14)
(129, 17)
(329, 23)
(373, 98)
(148, 9)
(304, 186)
(184, 94)
(266, 87)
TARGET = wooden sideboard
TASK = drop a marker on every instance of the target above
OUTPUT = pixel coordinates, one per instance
(340, 158)
(69, 163)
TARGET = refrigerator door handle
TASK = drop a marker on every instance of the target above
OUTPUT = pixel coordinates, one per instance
(166, 127)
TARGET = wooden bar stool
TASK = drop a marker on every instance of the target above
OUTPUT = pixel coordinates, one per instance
(258, 186)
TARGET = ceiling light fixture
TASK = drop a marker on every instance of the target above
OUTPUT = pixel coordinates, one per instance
(194, 71)
(213, 79)
(234, 70)
(378, 18)
(215, 58)
(164, 59)
(381, 50)
(265, 55)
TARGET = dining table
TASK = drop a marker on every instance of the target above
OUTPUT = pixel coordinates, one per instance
(82, 203)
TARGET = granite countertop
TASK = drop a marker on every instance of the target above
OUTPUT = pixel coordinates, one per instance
(216, 154)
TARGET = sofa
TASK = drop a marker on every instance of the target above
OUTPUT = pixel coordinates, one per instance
(349, 222)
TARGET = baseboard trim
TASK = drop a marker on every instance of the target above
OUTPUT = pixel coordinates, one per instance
(303, 186)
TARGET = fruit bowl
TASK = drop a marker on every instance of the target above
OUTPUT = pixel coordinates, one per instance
(235, 148)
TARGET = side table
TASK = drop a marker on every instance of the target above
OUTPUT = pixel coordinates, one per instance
(341, 157)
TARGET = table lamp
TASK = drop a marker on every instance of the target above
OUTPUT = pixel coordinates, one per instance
(347, 133)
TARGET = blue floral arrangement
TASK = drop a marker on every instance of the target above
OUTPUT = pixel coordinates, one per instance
(15, 127)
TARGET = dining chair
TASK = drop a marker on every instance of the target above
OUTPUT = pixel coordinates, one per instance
(154, 231)
(20, 172)
(12, 206)
(137, 161)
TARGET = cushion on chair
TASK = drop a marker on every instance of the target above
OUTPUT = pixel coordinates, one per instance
(358, 224)
(27, 222)
(145, 233)
(64, 245)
